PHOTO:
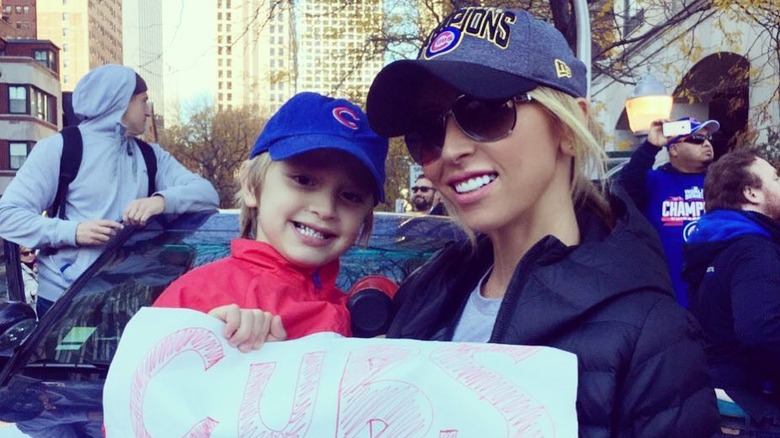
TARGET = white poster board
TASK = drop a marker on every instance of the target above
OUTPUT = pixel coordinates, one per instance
(174, 375)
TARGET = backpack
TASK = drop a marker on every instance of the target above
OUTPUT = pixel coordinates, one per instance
(72, 151)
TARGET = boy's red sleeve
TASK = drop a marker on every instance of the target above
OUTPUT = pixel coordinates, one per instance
(181, 295)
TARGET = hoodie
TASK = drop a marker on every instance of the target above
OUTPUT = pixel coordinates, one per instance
(642, 369)
(732, 263)
(111, 175)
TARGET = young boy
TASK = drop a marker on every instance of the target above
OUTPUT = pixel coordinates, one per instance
(307, 193)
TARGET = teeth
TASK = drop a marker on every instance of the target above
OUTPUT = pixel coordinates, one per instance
(306, 231)
(474, 183)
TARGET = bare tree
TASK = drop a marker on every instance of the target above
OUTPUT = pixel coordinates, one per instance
(213, 144)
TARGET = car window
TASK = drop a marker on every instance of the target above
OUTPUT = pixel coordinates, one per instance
(88, 329)
(85, 329)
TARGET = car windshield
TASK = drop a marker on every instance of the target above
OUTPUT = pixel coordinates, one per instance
(79, 339)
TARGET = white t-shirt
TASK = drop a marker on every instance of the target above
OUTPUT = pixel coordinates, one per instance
(479, 316)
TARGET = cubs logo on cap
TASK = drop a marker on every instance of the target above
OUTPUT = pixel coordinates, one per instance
(443, 42)
(310, 121)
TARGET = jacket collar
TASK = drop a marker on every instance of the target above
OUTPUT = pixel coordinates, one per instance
(267, 257)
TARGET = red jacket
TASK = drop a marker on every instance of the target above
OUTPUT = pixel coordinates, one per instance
(256, 276)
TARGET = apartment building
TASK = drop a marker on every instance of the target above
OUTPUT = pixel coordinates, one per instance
(268, 51)
(89, 34)
(21, 16)
(29, 100)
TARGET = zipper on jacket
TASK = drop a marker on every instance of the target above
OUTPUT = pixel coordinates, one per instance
(514, 289)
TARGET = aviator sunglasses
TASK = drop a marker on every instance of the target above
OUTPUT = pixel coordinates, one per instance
(481, 120)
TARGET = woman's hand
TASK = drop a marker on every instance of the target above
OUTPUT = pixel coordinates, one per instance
(249, 329)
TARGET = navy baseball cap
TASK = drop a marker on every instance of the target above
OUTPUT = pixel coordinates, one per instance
(712, 127)
(310, 121)
(488, 53)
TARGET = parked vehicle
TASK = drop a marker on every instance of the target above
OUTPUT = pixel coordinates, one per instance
(53, 371)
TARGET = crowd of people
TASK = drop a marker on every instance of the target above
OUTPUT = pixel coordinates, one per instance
(663, 283)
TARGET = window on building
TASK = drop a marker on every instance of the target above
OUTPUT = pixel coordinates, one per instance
(45, 58)
(65, 31)
(17, 99)
(18, 9)
(18, 153)
(64, 16)
(7, 9)
(26, 9)
(64, 47)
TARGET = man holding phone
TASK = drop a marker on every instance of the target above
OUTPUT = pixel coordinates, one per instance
(672, 196)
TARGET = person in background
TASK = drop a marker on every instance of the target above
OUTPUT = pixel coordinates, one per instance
(111, 187)
(307, 193)
(672, 196)
(732, 263)
(423, 194)
(29, 274)
(494, 110)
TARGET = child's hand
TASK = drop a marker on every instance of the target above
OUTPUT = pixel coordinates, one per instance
(249, 329)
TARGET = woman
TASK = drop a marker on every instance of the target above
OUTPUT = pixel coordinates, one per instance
(29, 274)
(494, 111)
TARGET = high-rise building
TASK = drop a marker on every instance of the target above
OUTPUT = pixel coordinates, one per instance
(268, 51)
(142, 35)
(21, 15)
(89, 34)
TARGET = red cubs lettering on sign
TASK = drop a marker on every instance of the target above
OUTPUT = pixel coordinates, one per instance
(198, 340)
(343, 115)
(250, 423)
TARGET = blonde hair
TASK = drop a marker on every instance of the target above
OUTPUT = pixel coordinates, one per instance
(251, 176)
(589, 155)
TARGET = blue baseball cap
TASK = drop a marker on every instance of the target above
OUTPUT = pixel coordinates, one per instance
(310, 122)
(487, 53)
(712, 127)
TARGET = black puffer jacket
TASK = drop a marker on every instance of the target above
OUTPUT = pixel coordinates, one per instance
(642, 370)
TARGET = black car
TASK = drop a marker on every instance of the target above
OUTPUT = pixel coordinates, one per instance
(53, 371)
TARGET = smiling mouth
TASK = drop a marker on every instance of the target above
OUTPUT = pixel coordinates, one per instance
(474, 183)
(311, 232)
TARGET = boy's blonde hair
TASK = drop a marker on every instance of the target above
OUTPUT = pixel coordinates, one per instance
(251, 176)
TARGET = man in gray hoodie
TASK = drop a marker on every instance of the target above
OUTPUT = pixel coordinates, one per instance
(111, 184)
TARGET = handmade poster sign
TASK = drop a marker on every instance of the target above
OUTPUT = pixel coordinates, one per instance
(175, 376)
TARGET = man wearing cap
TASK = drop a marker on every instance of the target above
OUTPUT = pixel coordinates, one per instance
(110, 188)
(672, 196)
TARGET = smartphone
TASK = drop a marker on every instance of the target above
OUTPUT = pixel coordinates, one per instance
(673, 129)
